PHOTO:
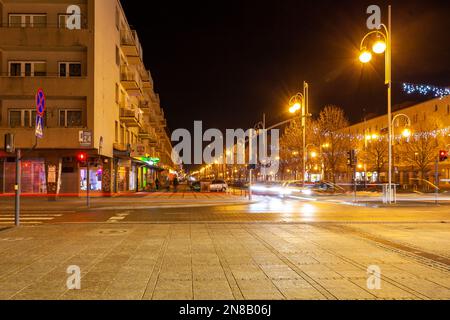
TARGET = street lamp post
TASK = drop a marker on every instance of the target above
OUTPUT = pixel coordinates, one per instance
(301, 102)
(383, 46)
(406, 132)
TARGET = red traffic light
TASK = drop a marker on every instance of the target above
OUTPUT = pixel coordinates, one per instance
(443, 155)
(81, 156)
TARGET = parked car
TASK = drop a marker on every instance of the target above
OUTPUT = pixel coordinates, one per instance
(195, 186)
(218, 186)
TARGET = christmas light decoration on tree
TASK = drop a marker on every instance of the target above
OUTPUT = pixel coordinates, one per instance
(437, 92)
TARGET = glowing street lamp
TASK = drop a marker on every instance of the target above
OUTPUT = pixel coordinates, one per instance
(379, 47)
(406, 133)
(301, 102)
(383, 44)
(365, 56)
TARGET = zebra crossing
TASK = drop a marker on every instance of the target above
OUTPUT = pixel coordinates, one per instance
(29, 218)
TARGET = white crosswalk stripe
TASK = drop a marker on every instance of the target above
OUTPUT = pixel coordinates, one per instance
(28, 219)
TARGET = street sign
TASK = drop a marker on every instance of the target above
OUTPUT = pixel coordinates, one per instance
(85, 138)
(40, 103)
(39, 132)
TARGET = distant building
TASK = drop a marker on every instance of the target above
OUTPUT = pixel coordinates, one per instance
(404, 171)
(100, 100)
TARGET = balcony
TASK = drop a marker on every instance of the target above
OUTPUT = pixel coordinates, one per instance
(131, 46)
(147, 81)
(131, 117)
(130, 80)
(144, 105)
(148, 133)
(51, 37)
(52, 86)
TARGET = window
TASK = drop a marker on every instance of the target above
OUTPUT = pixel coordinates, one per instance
(28, 20)
(436, 108)
(69, 69)
(117, 93)
(22, 118)
(27, 69)
(70, 118)
(117, 56)
(116, 132)
(122, 134)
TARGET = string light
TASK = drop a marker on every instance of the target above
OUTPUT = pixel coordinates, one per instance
(426, 90)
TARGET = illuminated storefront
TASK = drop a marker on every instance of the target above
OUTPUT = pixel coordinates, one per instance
(33, 176)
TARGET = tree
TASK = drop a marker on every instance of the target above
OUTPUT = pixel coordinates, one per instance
(376, 155)
(334, 143)
(422, 149)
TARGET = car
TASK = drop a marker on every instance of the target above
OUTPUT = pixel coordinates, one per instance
(267, 188)
(218, 186)
(195, 186)
(296, 188)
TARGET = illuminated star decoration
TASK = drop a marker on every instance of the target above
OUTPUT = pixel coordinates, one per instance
(426, 90)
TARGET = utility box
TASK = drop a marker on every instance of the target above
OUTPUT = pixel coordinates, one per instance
(9, 143)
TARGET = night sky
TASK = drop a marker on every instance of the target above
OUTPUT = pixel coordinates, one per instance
(227, 62)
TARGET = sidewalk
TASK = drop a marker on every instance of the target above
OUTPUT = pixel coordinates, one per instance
(203, 261)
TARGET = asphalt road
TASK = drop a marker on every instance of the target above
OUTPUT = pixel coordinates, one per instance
(263, 209)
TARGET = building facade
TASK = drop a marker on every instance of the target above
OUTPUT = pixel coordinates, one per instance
(100, 100)
(415, 154)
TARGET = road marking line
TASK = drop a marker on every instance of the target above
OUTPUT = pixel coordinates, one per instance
(22, 223)
(32, 215)
(30, 219)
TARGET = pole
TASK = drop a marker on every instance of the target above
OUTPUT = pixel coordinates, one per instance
(250, 185)
(265, 135)
(18, 187)
(436, 179)
(88, 184)
(304, 109)
(355, 190)
(389, 84)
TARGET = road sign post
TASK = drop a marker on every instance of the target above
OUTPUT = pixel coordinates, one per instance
(18, 187)
(39, 134)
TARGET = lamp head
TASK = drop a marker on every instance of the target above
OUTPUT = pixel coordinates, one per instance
(365, 56)
(379, 47)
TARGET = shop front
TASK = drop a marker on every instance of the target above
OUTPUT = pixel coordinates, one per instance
(33, 176)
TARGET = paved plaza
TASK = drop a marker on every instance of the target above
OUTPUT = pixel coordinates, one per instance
(226, 261)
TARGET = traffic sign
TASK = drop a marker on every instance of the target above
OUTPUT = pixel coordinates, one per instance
(39, 127)
(40, 102)
(85, 138)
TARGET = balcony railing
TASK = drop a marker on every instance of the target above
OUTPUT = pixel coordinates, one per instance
(131, 80)
(131, 46)
(131, 117)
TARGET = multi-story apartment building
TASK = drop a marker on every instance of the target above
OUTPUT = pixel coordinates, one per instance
(432, 117)
(99, 99)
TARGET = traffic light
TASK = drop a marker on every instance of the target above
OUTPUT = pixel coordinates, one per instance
(9, 143)
(443, 155)
(82, 157)
(351, 158)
